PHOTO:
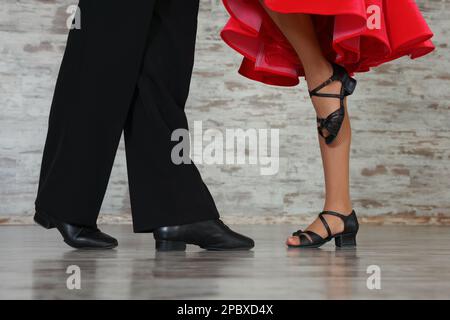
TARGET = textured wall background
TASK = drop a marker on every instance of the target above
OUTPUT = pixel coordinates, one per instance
(400, 119)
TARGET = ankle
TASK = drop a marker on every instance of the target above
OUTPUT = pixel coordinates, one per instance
(343, 208)
(316, 74)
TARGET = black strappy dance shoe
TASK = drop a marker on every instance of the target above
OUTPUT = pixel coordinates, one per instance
(346, 238)
(334, 121)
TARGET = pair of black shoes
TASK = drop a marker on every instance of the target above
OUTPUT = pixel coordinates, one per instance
(209, 235)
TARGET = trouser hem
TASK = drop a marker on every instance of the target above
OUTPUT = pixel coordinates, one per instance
(51, 214)
(149, 228)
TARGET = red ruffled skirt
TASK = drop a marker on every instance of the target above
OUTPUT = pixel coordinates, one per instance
(358, 34)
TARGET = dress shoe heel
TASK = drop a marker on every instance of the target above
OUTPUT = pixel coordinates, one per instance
(166, 245)
(43, 220)
(349, 85)
(346, 240)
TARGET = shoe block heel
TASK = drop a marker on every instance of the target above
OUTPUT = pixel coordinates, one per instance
(346, 240)
(166, 245)
(349, 85)
(43, 220)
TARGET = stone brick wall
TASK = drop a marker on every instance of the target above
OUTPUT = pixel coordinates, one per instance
(400, 120)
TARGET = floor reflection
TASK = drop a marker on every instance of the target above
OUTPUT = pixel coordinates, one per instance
(35, 267)
(49, 276)
(187, 275)
(338, 268)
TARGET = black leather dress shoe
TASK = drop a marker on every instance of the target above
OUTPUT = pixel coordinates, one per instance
(75, 236)
(209, 235)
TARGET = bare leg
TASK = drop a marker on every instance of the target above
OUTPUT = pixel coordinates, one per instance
(299, 30)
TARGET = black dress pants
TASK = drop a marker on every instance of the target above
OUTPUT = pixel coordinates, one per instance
(127, 69)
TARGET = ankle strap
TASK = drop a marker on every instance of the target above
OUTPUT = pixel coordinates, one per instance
(325, 224)
(338, 75)
(336, 214)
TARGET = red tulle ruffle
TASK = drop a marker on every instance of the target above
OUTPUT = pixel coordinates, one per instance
(358, 34)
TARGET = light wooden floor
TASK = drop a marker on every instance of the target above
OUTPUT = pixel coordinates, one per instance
(414, 264)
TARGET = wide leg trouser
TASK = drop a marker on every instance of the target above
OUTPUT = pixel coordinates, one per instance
(127, 69)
